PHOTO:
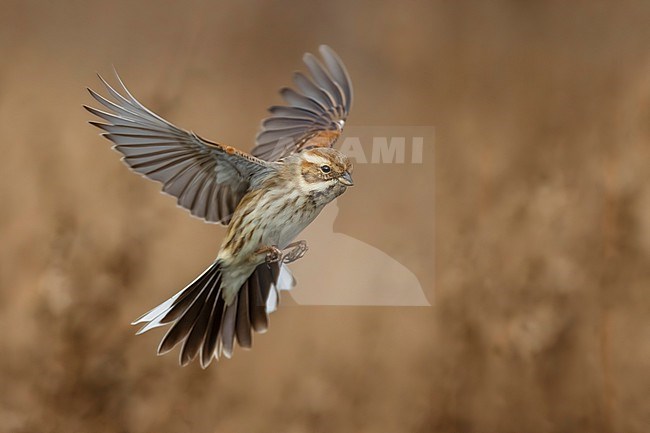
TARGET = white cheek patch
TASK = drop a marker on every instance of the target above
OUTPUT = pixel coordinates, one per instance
(308, 187)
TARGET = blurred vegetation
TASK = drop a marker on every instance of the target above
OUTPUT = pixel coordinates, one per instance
(541, 231)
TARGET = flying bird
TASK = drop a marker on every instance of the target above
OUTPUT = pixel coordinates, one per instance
(265, 198)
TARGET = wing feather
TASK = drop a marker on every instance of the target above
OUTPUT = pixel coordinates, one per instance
(315, 113)
(192, 169)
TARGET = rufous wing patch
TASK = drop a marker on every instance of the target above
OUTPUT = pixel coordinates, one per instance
(322, 139)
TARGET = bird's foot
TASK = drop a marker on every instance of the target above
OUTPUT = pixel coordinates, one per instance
(290, 254)
(273, 254)
(296, 251)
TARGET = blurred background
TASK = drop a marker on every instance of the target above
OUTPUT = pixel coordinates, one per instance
(540, 316)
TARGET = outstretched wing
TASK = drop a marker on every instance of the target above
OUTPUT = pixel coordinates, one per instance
(315, 114)
(208, 179)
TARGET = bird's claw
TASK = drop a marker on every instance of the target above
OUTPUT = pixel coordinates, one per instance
(273, 255)
(294, 252)
(297, 251)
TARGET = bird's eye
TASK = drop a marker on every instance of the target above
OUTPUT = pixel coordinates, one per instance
(325, 168)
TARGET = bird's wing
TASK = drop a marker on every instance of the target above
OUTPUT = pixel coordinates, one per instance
(207, 178)
(315, 114)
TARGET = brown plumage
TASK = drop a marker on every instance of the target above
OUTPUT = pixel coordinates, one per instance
(266, 198)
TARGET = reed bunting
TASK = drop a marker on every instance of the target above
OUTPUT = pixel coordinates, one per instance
(266, 198)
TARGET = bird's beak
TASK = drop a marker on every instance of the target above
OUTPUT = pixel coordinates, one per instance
(346, 179)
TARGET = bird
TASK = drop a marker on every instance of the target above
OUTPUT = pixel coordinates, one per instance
(265, 198)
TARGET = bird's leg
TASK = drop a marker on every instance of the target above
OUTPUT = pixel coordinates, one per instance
(273, 254)
(296, 250)
(290, 254)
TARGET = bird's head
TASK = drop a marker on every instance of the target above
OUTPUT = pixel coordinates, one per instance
(324, 172)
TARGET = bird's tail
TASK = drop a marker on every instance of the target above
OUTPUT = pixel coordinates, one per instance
(199, 317)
